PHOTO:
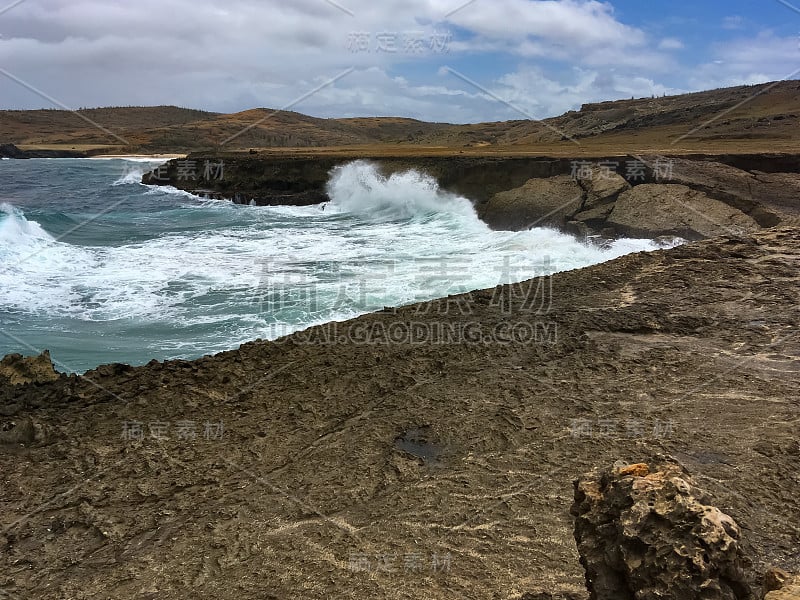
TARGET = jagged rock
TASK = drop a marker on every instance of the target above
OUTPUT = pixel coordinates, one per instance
(538, 203)
(650, 534)
(18, 370)
(780, 585)
(603, 187)
(652, 210)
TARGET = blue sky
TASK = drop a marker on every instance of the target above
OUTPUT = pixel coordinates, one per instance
(444, 60)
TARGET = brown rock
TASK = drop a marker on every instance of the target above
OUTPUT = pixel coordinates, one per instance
(647, 533)
(652, 210)
(18, 370)
(599, 213)
(538, 203)
(603, 187)
(17, 432)
(736, 187)
(780, 585)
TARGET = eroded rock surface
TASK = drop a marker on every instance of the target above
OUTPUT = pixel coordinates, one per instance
(652, 210)
(538, 203)
(319, 486)
(780, 585)
(17, 370)
(649, 534)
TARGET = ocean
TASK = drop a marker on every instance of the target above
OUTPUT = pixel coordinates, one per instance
(98, 268)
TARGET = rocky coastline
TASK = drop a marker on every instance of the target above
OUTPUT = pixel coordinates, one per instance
(345, 462)
(11, 151)
(689, 196)
(633, 435)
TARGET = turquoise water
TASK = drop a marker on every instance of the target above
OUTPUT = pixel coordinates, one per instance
(98, 268)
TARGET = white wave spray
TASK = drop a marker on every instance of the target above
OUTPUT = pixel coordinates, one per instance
(359, 187)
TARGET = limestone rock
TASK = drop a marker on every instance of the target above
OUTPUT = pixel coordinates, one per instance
(649, 533)
(603, 187)
(738, 188)
(539, 203)
(599, 213)
(779, 585)
(652, 210)
(18, 370)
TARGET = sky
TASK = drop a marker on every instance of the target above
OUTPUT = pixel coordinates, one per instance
(454, 61)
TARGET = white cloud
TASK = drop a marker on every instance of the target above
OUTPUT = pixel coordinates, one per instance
(748, 61)
(670, 44)
(246, 53)
(733, 22)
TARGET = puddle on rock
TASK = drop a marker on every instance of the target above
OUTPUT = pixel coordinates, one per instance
(420, 442)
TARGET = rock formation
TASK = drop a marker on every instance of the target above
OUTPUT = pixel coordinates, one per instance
(779, 585)
(18, 370)
(538, 203)
(652, 210)
(697, 196)
(649, 534)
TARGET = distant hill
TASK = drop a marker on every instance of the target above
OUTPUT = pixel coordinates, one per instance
(768, 112)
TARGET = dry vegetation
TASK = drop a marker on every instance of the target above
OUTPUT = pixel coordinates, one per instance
(743, 119)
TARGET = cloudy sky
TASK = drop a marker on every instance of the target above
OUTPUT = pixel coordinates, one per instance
(441, 60)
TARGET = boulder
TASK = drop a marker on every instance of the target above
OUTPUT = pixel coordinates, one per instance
(652, 210)
(779, 585)
(18, 370)
(779, 191)
(597, 214)
(539, 203)
(648, 533)
(737, 188)
(603, 187)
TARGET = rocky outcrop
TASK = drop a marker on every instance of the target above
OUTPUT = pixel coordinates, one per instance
(18, 370)
(736, 187)
(732, 192)
(602, 187)
(780, 585)
(539, 203)
(649, 534)
(653, 210)
(11, 151)
(298, 180)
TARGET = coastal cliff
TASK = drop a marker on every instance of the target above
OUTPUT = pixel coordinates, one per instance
(692, 196)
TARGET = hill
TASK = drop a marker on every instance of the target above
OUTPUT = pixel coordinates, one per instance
(762, 118)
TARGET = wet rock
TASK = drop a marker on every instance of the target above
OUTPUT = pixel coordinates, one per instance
(652, 210)
(19, 370)
(538, 203)
(648, 534)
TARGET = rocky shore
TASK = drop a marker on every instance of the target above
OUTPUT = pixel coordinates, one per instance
(694, 196)
(353, 461)
(11, 151)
